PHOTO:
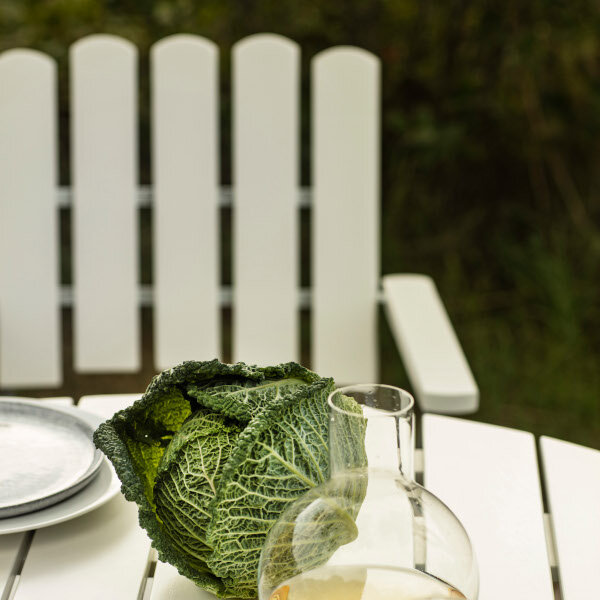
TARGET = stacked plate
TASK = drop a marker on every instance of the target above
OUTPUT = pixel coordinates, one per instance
(50, 470)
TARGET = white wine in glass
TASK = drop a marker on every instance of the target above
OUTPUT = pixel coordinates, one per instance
(364, 583)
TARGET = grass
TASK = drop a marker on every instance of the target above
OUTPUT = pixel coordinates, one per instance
(531, 348)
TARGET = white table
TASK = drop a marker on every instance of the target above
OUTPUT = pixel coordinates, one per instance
(528, 541)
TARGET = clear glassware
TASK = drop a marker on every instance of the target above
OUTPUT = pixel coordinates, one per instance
(370, 532)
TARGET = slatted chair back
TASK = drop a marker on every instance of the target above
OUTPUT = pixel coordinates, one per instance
(187, 293)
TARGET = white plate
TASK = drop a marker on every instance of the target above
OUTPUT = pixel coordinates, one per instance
(46, 455)
(101, 489)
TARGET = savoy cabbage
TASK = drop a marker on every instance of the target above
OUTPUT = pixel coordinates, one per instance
(212, 454)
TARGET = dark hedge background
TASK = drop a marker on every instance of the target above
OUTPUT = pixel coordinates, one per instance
(491, 128)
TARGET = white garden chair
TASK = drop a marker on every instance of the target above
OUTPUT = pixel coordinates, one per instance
(185, 199)
(526, 543)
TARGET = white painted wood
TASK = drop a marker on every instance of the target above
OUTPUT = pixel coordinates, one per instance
(266, 72)
(106, 405)
(100, 555)
(168, 584)
(431, 353)
(381, 440)
(185, 151)
(152, 560)
(145, 296)
(572, 478)
(104, 167)
(488, 476)
(30, 353)
(10, 546)
(59, 400)
(56, 400)
(376, 543)
(145, 196)
(345, 171)
(550, 542)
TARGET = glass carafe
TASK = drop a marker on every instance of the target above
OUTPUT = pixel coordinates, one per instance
(370, 532)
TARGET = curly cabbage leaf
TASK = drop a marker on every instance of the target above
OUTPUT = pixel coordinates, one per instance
(212, 454)
(311, 529)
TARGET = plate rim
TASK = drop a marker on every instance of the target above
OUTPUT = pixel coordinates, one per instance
(42, 518)
(73, 506)
(86, 427)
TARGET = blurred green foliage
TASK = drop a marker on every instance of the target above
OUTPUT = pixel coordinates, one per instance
(491, 122)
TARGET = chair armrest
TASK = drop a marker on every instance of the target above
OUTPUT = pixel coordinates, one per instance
(431, 353)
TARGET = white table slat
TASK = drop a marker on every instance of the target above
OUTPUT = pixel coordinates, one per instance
(488, 476)
(185, 151)
(266, 80)
(30, 341)
(104, 160)
(345, 171)
(572, 477)
(168, 584)
(106, 405)
(431, 352)
(59, 400)
(9, 553)
(100, 555)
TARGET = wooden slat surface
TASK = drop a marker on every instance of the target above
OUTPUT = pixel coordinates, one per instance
(345, 173)
(103, 72)
(30, 352)
(100, 555)
(145, 196)
(265, 173)
(168, 584)
(431, 353)
(56, 400)
(185, 159)
(488, 475)
(572, 477)
(106, 405)
(59, 400)
(10, 546)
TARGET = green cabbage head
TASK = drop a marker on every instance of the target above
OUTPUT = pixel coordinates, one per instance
(212, 454)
